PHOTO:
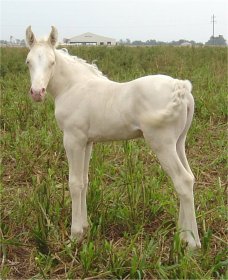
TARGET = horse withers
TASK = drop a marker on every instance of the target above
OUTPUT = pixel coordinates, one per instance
(91, 108)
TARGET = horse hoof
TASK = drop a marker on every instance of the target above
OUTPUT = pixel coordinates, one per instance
(77, 235)
(85, 227)
(192, 244)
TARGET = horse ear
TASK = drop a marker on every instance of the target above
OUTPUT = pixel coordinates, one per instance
(53, 37)
(30, 37)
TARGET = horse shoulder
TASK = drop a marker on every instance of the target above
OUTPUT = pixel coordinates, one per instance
(70, 113)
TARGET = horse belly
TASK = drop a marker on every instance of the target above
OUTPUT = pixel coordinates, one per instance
(109, 130)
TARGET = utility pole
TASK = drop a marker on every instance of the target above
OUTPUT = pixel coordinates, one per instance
(213, 24)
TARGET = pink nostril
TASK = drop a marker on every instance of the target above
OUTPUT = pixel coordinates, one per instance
(37, 92)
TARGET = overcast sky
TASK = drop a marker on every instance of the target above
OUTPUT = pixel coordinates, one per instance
(163, 20)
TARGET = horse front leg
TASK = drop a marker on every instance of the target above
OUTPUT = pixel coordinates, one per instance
(88, 151)
(75, 151)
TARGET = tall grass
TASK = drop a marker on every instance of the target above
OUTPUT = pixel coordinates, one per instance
(132, 205)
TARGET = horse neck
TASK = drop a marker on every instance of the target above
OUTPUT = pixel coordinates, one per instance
(66, 74)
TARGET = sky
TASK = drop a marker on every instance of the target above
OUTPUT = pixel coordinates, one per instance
(162, 20)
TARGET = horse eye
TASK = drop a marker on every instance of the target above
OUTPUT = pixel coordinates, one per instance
(27, 62)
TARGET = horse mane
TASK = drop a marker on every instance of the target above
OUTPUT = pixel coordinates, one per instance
(73, 58)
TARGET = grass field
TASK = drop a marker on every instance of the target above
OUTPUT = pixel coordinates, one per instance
(132, 205)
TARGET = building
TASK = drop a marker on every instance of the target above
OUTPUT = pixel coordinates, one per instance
(91, 39)
(186, 44)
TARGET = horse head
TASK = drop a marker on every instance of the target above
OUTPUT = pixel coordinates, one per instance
(41, 62)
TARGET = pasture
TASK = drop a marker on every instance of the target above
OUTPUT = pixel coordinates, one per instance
(132, 205)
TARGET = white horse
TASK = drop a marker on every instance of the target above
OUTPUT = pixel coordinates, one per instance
(90, 108)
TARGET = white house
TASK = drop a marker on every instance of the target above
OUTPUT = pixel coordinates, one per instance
(91, 39)
(186, 44)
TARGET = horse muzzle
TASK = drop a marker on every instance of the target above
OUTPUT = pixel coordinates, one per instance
(38, 94)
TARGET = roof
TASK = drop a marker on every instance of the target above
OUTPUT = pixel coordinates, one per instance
(90, 37)
(186, 44)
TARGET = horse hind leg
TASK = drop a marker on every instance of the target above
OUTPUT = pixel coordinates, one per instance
(180, 147)
(183, 181)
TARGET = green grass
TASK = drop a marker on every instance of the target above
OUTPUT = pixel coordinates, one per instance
(132, 205)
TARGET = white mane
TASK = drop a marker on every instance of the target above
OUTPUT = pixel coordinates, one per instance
(73, 58)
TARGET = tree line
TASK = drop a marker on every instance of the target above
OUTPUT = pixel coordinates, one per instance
(219, 41)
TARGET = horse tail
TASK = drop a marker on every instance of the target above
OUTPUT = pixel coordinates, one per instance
(181, 98)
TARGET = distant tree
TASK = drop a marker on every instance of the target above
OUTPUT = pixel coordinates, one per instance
(151, 42)
(128, 41)
(218, 41)
(161, 43)
(193, 42)
(121, 42)
(125, 42)
(138, 43)
(23, 42)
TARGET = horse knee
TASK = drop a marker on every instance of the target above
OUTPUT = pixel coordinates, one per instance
(75, 187)
(85, 181)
